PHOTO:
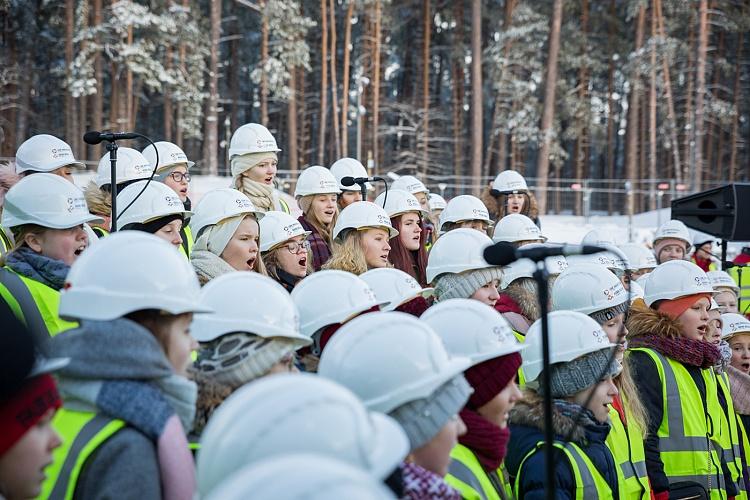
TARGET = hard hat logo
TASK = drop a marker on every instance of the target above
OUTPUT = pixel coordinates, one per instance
(76, 205)
(382, 219)
(173, 201)
(501, 333)
(243, 203)
(480, 213)
(600, 336)
(702, 281)
(62, 153)
(613, 292)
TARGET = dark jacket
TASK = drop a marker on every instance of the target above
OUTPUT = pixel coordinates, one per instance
(526, 430)
(319, 249)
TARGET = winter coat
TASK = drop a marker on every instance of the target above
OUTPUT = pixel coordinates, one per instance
(210, 395)
(526, 430)
(319, 248)
(513, 313)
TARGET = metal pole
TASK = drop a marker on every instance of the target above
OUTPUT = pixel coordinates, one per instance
(112, 148)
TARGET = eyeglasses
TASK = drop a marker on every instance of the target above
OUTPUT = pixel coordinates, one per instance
(179, 176)
(294, 247)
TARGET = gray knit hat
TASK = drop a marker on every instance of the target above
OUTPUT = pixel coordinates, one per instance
(423, 418)
(607, 314)
(463, 285)
(574, 376)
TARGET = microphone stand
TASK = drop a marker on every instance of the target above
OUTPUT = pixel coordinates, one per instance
(363, 190)
(112, 148)
(541, 276)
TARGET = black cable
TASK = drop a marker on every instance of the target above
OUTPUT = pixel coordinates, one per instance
(153, 172)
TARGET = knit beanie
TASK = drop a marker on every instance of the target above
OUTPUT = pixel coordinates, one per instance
(609, 313)
(490, 377)
(674, 308)
(572, 377)
(25, 408)
(154, 225)
(243, 163)
(238, 358)
(463, 285)
(663, 242)
(422, 419)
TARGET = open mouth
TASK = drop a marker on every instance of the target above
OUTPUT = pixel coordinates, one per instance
(745, 366)
(268, 179)
(302, 262)
(384, 257)
(78, 251)
(703, 329)
(251, 262)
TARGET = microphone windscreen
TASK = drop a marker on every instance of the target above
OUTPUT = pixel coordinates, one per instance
(501, 253)
(92, 137)
(347, 181)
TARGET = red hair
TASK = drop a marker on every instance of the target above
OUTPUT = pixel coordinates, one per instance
(413, 263)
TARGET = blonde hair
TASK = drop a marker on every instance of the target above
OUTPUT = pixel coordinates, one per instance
(305, 203)
(348, 254)
(19, 237)
(631, 399)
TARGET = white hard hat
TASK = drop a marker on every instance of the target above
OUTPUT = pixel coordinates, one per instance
(587, 288)
(437, 202)
(362, 214)
(349, 167)
(394, 286)
(610, 260)
(300, 476)
(44, 153)
(131, 166)
(157, 200)
(250, 303)
(509, 181)
(220, 204)
(674, 279)
(410, 184)
(571, 335)
(472, 329)
(636, 291)
(521, 268)
(721, 279)
(639, 257)
(701, 239)
(316, 180)
(399, 202)
(252, 138)
(458, 251)
(599, 237)
(296, 413)
(732, 324)
(169, 154)
(463, 208)
(346, 295)
(674, 229)
(517, 227)
(278, 227)
(714, 306)
(129, 271)
(46, 200)
(389, 359)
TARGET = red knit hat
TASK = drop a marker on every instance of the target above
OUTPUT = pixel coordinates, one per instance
(490, 377)
(675, 307)
(25, 408)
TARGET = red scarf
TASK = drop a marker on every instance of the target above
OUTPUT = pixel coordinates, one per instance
(487, 441)
(687, 351)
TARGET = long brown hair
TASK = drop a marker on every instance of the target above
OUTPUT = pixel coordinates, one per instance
(325, 230)
(413, 263)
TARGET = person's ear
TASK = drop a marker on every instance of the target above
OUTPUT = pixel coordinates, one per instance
(33, 241)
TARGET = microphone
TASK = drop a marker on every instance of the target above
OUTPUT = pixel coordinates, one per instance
(95, 137)
(503, 253)
(350, 181)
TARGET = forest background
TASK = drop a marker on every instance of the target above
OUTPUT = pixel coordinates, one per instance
(649, 96)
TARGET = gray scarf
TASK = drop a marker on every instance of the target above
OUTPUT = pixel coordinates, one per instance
(35, 266)
(208, 265)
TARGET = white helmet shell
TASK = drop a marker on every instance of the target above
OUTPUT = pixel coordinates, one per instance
(517, 227)
(131, 166)
(587, 288)
(674, 229)
(722, 279)
(636, 291)
(278, 227)
(301, 413)
(252, 138)
(674, 279)
(472, 329)
(399, 202)
(571, 335)
(394, 286)
(437, 202)
(169, 154)
(349, 167)
(368, 357)
(129, 271)
(464, 208)
(44, 153)
(220, 204)
(639, 257)
(316, 180)
(250, 303)
(410, 184)
(347, 295)
(46, 200)
(599, 237)
(733, 324)
(509, 181)
(362, 214)
(157, 200)
(458, 251)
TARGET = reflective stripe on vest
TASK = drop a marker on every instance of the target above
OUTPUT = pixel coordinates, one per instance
(82, 433)
(730, 438)
(744, 286)
(283, 206)
(466, 474)
(14, 291)
(688, 434)
(100, 232)
(626, 445)
(745, 443)
(186, 247)
(5, 242)
(521, 377)
(589, 482)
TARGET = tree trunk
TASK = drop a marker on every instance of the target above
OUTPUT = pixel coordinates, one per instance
(334, 83)
(671, 116)
(580, 150)
(476, 94)
(178, 120)
(631, 148)
(711, 166)
(427, 28)
(652, 114)
(323, 81)
(291, 122)
(700, 93)
(376, 89)
(82, 151)
(234, 81)
(211, 127)
(263, 63)
(548, 113)
(736, 106)
(611, 104)
(501, 158)
(345, 80)
(689, 116)
(71, 121)
(129, 119)
(168, 111)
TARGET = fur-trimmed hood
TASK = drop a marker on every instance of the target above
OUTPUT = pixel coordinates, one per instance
(529, 412)
(210, 395)
(98, 200)
(643, 320)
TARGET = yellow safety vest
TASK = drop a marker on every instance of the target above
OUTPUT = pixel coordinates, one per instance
(589, 482)
(689, 433)
(82, 433)
(100, 232)
(744, 295)
(521, 377)
(6, 245)
(284, 206)
(730, 438)
(626, 445)
(186, 248)
(745, 442)
(33, 302)
(466, 475)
